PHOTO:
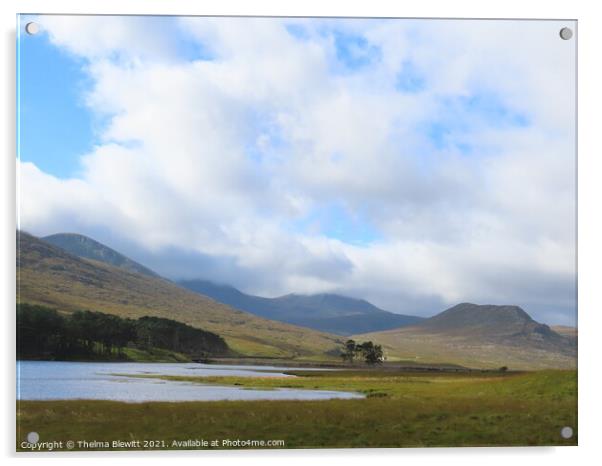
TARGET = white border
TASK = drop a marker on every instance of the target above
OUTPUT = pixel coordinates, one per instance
(590, 231)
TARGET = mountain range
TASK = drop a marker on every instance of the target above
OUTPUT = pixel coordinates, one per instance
(82, 273)
(329, 313)
(326, 312)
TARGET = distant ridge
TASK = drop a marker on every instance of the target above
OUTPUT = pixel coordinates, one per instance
(498, 322)
(88, 248)
(326, 312)
(482, 336)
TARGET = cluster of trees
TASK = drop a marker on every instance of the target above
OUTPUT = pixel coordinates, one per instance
(44, 333)
(157, 332)
(372, 354)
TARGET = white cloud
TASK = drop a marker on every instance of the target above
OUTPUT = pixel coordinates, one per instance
(224, 157)
(128, 38)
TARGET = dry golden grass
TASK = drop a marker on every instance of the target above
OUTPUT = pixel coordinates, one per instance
(412, 344)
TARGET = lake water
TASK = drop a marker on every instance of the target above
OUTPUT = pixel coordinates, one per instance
(52, 380)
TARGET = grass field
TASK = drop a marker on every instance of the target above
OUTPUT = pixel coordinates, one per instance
(401, 409)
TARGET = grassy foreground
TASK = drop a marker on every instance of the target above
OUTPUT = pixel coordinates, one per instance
(401, 409)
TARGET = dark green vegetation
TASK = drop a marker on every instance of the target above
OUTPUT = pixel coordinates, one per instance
(87, 248)
(151, 332)
(401, 409)
(50, 276)
(326, 312)
(43, 333)
(480, 336)
(372, 354)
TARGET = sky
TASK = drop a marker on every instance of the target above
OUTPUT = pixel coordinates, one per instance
(413, 163)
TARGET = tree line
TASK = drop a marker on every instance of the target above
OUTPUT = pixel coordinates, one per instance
(372, 354)
(44, 333)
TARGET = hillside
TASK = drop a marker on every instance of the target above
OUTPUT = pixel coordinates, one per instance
(325, 312)
(50, 276)
(565, 330)
(480, 336)
(83, 246)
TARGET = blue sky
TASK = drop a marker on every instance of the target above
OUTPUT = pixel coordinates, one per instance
(55, 126)
(335, 221)
(398, 161)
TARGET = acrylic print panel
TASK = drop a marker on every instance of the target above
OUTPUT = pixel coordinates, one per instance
(295, 233)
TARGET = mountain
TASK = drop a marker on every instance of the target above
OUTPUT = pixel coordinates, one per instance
(507, 323)
(82, 246)
(51, 276)
(330, 313)
(480, 336)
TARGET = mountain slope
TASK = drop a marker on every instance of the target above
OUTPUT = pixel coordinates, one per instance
(326, 312)
(480, 336)
(83, 246)
(565, 330)
(51, 276)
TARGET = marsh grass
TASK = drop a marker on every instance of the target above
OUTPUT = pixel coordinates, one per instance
(402, 409)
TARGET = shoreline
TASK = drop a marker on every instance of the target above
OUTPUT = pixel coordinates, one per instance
(392, 367)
